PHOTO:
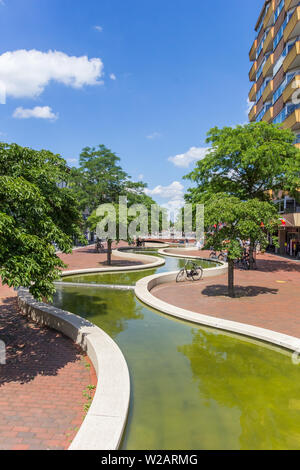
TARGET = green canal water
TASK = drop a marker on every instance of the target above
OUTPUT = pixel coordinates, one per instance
(130, 278)
(194, 387)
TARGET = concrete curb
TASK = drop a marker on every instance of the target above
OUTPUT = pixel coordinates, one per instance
(165, 252)
(104, 424)
(143, 292)
(95, 286)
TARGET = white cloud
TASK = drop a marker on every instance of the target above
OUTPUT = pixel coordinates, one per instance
(27, 73)
(192, 155)
(39, 112)
(249, 106)
(173, 191)
(141, 177)
(112, 76)
(154, 135)
(72, 160)
(98, 28)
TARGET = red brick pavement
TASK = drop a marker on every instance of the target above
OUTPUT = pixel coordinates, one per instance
(42, 383)
(268, 298)
(87, 258)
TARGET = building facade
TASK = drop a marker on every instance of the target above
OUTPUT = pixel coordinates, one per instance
(275, 92)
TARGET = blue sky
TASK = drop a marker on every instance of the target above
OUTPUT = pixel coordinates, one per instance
(157, 76)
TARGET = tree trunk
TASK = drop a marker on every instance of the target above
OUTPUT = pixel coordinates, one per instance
(251, 252)
(109, 243)
(231, 278)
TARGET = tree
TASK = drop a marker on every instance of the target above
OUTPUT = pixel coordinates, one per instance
(112, 224)
(229, 219)
(100, 179)
(247, 162)
(257, 160)
(36, 212)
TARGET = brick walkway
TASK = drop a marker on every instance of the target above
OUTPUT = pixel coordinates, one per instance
(269, 297)
(42, 383)
(87, 258)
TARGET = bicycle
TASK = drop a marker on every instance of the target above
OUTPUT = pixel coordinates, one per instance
(99, 247)
(244, 262)
(185, 274)
(222, 256)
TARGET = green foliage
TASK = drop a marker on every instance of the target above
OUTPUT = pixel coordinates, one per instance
(240, 220)
(229, 221)
(247, 162)
(88, 395)
(34, 213)
(100, 179)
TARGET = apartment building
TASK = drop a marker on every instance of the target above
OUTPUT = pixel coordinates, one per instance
(275, 93)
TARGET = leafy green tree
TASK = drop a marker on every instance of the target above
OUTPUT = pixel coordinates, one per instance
(247, 162)
(229, 219)
(36, 212)
(254, 161)
(100, 179)
(114, 224)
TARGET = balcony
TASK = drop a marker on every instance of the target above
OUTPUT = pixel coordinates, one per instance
(290, 4)
(252, 113)
(292, 219)
(292, 121)
(252, 53)
(293, 27)
(292, 60)
(268, 91)
(291, 88)
(252, 73)
(268, 116)
(268, 67)
(268, 44)
(269, 18)
(252, 93)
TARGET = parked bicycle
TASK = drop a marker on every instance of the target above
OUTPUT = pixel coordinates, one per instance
(244, 262)
(194, 273)
(221, 257)
(99, 246)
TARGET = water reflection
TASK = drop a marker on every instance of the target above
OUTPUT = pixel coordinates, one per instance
(255, 381)
(109, 309)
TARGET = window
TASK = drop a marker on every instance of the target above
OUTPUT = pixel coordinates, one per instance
(278, 9)
(261, 45)
(282, 28)
(263, 111)
(262, 88)
(286, 50)
(278, 92)
(289, 109)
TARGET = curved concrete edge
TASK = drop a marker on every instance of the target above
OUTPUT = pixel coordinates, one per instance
(95, 286)
(151, 263)
(215, 271)
(143, 292)
(165, 252)
(150, 245)
(104, 424)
